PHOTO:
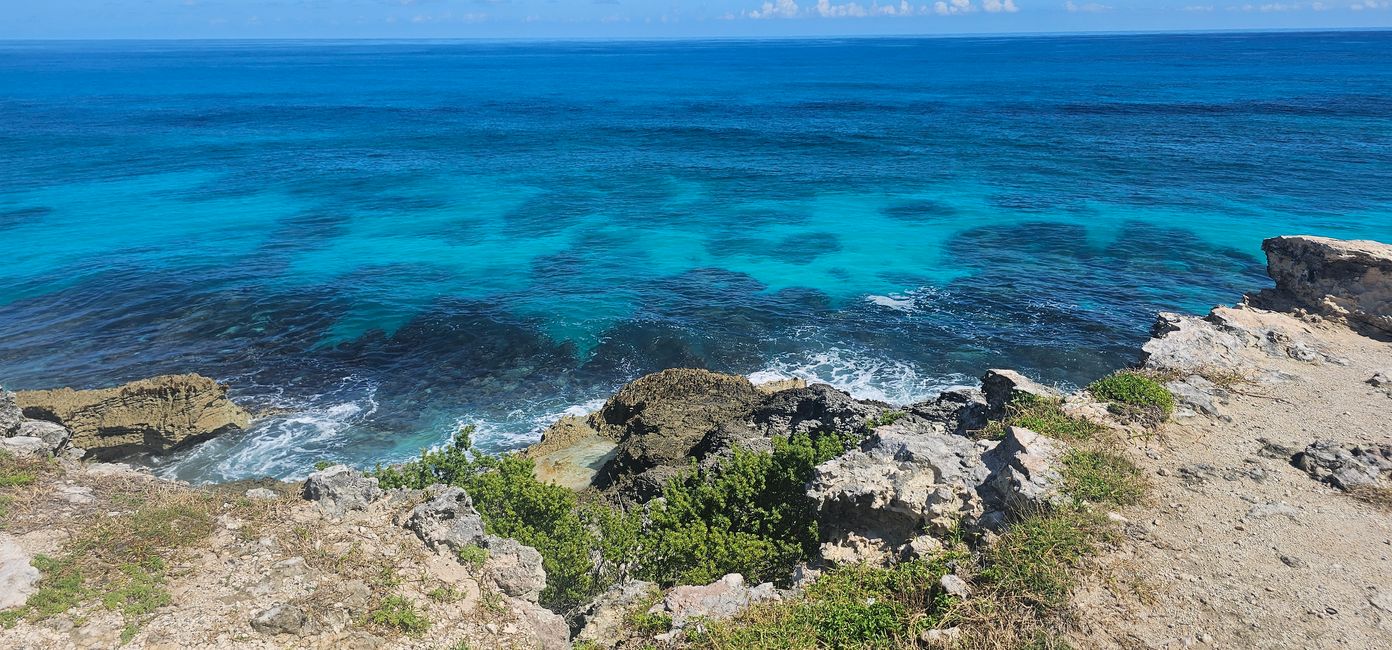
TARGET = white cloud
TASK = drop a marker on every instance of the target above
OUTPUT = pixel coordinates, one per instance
(997, 6)
(827, 10)
(1370, 4)
(956, 7)
(1201, 8)
(784, 9)
(1089, 8)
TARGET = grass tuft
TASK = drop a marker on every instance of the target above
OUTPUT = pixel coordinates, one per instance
(1102, 476)
(1043, 416)
(1136, 394)
(1036, 561)
(400, 614)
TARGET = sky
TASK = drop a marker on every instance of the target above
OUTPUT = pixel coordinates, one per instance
(246, 19)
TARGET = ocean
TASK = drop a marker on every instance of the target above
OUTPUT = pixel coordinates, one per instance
(377, 242)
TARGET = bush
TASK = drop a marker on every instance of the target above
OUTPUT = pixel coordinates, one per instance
(473, 555)
(750, 515)
(1043, 416)
(1132, 389)
(400, 614)
(1036, 560)
(1099, 476)
(849, 607)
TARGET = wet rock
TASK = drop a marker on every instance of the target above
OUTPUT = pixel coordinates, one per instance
(340, 489)
(281, 619)
(447, 520)
(659, 418)
(54, 435)
(1025, 472)
(1346, 466)
(18, 578)
(10, 415)
(1350, 280)
(961, 410)
(906, 479)
(719, 600)
(603, 621)
(1004, 386)
(813, 409)
(156, 415)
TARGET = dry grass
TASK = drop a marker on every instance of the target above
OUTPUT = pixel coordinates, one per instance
(1380, 496)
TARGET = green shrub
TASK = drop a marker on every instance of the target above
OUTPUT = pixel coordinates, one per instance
(848, 607)
(750, 515)
(1043, 416)
(472, 555)
(400, 614)
(1036, 560)
(1100, 476)
(1135, 390)
(644, 622)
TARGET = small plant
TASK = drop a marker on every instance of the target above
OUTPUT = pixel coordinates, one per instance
(1043, 416)
(321, 465)
(400, 614)
(492, 601)
(472, 555)
(1133, 393)
(445, 594)
(1098, 476)
(645, 622)
(888, 417)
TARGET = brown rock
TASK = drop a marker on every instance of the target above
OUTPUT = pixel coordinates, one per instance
(155, 415)
(1342, 279)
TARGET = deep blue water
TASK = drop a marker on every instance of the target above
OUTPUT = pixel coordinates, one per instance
(388, 239)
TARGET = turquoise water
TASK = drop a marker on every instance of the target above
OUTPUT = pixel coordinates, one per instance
(381, 241)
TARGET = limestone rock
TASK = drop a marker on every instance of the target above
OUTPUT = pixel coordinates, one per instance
(1346, 466)
(816, 408)
(340, 489)
(25, 446)
(548, 630)
(154, 415)
(1002, 386)
(719, 600)
(514, 567)
(281, 619)
(779, 385)
(10, 415)
(262, 494)
(602, 621)
(906, 479)
(448, 520)
(53, 435)
(1337, 278)
(18, 578)
(961, 410)
(659, 418)
(1025, 472)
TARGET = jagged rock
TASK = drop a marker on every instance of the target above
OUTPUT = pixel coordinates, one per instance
(718, 600)
(54, 435)
(816, 408)
(340, 489)
(1025, 472)
(1344, 465)
(659, 418)
(1188, 344)
(906, 479)
(154, 415)
(961, 410)
(778, 385)
(25, 446)
(447, 520)
(602, 621)
(1002, 386)
(18, 578)
(1195, 395)
(954, 585)
(1336, 278)
(10, 415)
(281, 619)
(1382, 380)
(262, 494)
(514, 567)
(548, 629)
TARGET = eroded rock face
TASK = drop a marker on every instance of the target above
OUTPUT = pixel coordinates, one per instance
(448, 522)
(1337, 278)
(813, 409)
(340, 489)
(1346, 466)
(718, 600)
(1002, 386)
(1025, 472)
(907, 478)
(961, 410)
(10, 415)
(603, 621)
(659, 418)
(154, 415)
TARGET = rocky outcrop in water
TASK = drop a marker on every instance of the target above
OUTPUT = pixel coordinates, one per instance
(1342, 279)
(155, 415)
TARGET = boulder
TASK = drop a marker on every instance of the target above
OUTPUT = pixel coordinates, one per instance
(10, 415)
(547, 630)
(1025, 472)
(1348, 280)
(1346, 466)
(53, 435)
(906, 479)
(659, 418)
(281, 619)
(447, 520)
(1001, 387)
(604, 620)
(341, 489)
(154, 415)
(514, 567)
(718, 600)
(813, 409)
(25, 446)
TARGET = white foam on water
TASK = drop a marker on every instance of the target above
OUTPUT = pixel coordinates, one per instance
(897, 302)
(863, 375)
